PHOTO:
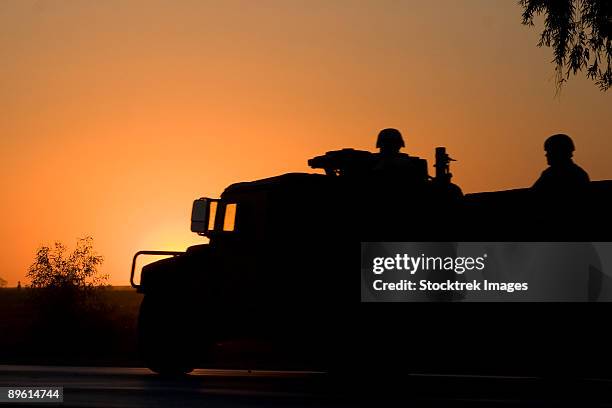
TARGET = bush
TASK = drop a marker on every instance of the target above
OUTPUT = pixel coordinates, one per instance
(54, 269)
(67, 292)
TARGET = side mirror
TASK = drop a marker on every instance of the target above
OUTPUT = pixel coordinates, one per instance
(203, 215)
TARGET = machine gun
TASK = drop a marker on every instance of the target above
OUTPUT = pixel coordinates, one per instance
(345, 162)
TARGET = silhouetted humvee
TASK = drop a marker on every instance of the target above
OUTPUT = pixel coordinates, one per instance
(281, 278)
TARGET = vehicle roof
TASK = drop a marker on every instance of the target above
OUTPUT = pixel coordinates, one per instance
(284, 181)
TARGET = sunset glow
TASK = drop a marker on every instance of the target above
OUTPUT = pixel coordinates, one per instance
(117, 114)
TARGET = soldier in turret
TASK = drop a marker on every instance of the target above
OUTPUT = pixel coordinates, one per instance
(393, 164)
(390, 142)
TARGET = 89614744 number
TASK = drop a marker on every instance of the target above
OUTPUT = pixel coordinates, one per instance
(31, 394)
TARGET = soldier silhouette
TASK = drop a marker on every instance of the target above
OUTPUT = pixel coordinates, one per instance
(399, 183)
(562, 174)
(392, 163)
(390, 142)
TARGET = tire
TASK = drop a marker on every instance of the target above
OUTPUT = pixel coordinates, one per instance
(165, 341)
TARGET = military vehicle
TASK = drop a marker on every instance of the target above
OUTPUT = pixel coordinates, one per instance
(279, 277)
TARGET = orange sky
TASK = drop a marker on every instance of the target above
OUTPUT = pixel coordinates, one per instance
(116, 114)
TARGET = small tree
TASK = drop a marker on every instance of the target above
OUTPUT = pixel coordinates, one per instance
(73, 316)
(54, 268)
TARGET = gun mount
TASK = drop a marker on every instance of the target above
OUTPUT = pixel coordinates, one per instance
(360, 163)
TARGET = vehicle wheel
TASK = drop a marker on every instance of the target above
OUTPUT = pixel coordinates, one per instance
(166, 342)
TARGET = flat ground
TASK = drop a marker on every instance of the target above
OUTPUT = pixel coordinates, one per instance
(29, 335)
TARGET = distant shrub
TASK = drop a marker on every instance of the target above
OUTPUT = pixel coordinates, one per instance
(54, 268)
(67, 292)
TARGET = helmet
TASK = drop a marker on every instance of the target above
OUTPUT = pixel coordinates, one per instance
(389, 138)
(559, 143)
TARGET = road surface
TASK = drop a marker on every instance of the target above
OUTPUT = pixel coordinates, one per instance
(138, 387)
